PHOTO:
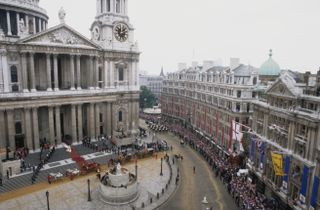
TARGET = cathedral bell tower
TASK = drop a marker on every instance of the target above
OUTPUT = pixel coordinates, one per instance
(111, 28)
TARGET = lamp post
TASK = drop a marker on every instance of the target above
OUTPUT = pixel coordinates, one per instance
(48, 206)
(89, 195)
(161, 174)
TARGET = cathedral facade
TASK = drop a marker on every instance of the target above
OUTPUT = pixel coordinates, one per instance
(56, 84)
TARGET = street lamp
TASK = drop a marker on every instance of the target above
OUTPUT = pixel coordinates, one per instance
(47, 194)
(161, 174)
(89, 195)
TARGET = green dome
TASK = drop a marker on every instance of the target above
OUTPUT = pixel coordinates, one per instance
(270, 67)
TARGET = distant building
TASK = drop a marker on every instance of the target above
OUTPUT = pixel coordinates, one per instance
(280, 108)
(152, 82)
(209, 98)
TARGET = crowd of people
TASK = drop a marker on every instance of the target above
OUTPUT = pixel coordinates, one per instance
(240, 187)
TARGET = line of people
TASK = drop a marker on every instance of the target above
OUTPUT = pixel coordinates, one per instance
(41, 164)
(242, 190)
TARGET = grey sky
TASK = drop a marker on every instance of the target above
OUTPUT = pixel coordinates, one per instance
(172, 31)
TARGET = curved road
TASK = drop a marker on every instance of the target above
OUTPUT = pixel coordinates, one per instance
(194, 187)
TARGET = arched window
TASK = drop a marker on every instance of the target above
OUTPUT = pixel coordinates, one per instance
(120, 116)
(121, 76)
(118, 6)
(14, 74)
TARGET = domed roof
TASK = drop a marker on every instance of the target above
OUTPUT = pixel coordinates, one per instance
(270, 67)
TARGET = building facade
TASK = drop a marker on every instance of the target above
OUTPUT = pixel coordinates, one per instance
(153, 83)
(287, 122)
(57, 84)
(209, 99)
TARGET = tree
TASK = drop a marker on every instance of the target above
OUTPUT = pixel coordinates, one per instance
(147, 98)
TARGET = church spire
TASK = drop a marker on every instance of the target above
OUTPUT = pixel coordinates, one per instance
(161, 73)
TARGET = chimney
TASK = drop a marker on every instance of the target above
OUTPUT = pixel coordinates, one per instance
(234, 63)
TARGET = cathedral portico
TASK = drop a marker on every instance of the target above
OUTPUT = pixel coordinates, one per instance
(57, 85)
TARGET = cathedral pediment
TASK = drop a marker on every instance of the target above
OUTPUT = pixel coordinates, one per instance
(281, 89)
(61, 35)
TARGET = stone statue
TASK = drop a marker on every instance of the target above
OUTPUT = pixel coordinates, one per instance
(118, 169)
(22, 27)
(62, 15)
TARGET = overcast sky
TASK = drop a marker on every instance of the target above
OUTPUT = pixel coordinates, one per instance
(173, 31)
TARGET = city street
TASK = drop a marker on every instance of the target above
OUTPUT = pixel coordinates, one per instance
(194, 187)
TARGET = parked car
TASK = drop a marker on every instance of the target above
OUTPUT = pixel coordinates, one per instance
(71, 173)
(90, 167)
(52, 177)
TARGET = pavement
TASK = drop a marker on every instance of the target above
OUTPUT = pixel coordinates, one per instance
(73, 195)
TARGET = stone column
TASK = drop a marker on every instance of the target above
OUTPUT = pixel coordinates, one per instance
(97, 120)
(91, 69)
(34, 25)
(132, 73)
(112, 5)
(126, 7)
(18, 25)
(39, 23)
(109, 118)
(49, 80)
(72, 71)
(106, 70)
(136, 75)
(9, 24)
(58, 125)
(28, 129)
(96, 73)
(78, 73)
(27, 24)
(104, 6)
(74, 123)
(55, 69)
(2, 130)
(98, 6)
(80, 126)
(24, 72)
(5, 71)
(51, 125)
(32, 73)
(11, 129)
(35, 124)
(111, 74)
(91, 121)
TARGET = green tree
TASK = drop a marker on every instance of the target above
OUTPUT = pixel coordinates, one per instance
(147, 98)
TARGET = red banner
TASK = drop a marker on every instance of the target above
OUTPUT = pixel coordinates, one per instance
(222, 139)
(217, 124)
(230, 135)
(194, 114)
(205, 118)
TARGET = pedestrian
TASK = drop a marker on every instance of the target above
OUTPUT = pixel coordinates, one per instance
(194, 169)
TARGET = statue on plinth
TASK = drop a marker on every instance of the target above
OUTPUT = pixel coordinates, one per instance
(118, 169)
